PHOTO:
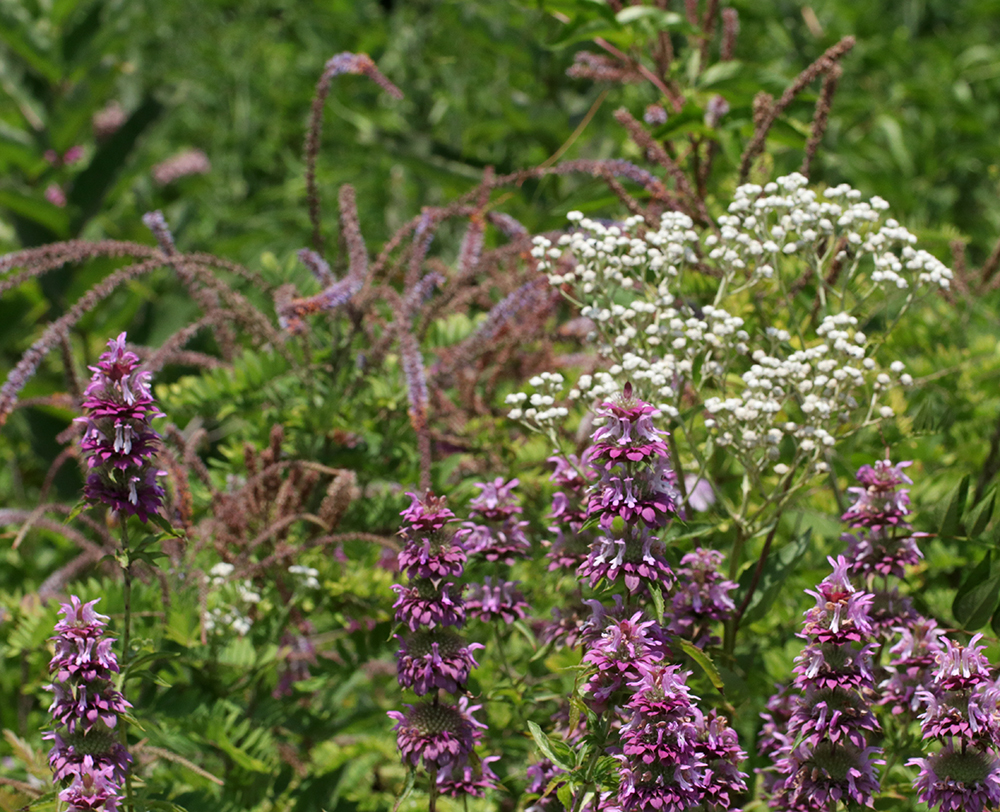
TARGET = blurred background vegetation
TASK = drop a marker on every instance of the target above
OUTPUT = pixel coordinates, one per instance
(915, 121)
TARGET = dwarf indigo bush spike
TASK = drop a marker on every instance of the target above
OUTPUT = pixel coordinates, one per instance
(118, 440)
(87, 758)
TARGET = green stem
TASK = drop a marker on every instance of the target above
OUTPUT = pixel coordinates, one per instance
(126, 643)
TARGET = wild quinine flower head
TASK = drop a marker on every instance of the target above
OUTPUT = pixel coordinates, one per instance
(495, 533)
(429, 550)
(502, 601)
(118, 440)
(701, 596)
(630, 554)
(87, 757)
(429, 659)
(759, 384)
(437, 734)
(880, 500)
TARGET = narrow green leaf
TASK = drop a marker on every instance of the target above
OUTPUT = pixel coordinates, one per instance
(977, 597)
(776, 570)
(565, 796)
(951, 521)
(546, 747)
(704, 661)
(657, 594)
(978, 516)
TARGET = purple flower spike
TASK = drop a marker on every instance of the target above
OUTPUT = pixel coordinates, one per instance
(628, 433)
(633, 557)
(501, 602)
(879, 551)
(424, 602)
(496, 502)
(436, 658)
(437, 734)
(623, 647)
(118, 440)
(87, 757)
(880, 500)
(702, 596)
(429, 550)
(455, 780)
(959, 781)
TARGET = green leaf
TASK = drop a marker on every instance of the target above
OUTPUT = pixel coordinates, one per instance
(657, 594)
(565, 796)
(93, 183)
(703, 660)
(777, 568)
(951, 521)
(545, 745)
(41, 212)
(977, 597)
(720, 72)
(977, 517)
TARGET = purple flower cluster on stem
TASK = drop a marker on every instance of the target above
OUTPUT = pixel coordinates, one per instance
(87, 758)
(962, 714)
(433, 656)
(118, 440)
(630, 456)
(701, 597)
(674, 757)
(824, 757)
(634, 496)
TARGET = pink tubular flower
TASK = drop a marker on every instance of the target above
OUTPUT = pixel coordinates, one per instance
(118, 440)
(880, 500)
(500, 602)
(429, 550)
(701, 596)
(633, 557)
(433, 659)
(629, 455)
(957, 781)
(456, 779)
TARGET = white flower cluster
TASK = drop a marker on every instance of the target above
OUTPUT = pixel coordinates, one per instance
(308, 575)
(784, 218)
(539, 411)
(762, 361)
(234, 597)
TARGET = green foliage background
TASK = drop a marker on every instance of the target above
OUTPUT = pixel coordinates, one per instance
(915, 121)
